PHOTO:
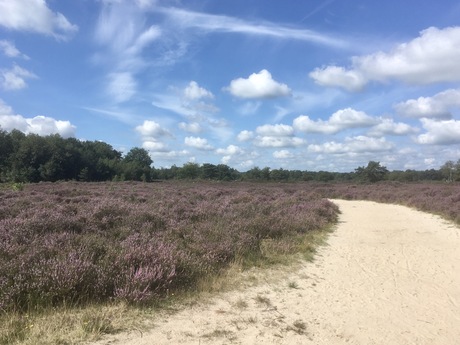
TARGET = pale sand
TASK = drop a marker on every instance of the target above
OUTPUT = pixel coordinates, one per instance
(389, 275)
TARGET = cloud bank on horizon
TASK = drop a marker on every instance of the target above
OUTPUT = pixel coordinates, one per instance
(292, 85)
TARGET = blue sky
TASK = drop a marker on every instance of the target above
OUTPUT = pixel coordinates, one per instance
(310, 85)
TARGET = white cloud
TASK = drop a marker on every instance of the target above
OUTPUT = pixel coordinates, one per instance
(351, 118)
(122, 32)
(193, 127)
(245, 135)
(350, 80)
(121, 27)
(5, 109)
(198, 143)
(9, 49)
(388, 126)
(171, 155)
(152, 129)
(230, 150)
(278, 142)
(430, 58)
(35, 16)
(41, 125)
(440, 132)
(275, 130)
(282, 154)
(258, 85)
(15, 78)
(340, 120)
(154, 146)
(439, 106)
(194, 92)
(143, 40)
(121, 86)
(219, 23)
(359, 144)
(151, 133)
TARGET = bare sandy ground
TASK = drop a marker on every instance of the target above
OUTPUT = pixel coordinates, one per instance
(390, 275)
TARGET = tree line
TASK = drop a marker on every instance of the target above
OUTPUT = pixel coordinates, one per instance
(34, 158)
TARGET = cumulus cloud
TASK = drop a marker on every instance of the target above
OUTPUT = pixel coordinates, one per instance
(275, 130)
(350, 80)
(439, 106)
(340, 120)
(15, 78)
(5, 109)
(154, 146)
(258, 85)
(283, 154)
(41, 125)
(194, 92)
(152, 134)
(198, 143)
(230, 150)
(245, 135)
(9, 49)
(152, 129)
(389, 127)
(193, 127)
(430, 58)
(35, 16)
(439, 132)
(358, 144)
(278, 142)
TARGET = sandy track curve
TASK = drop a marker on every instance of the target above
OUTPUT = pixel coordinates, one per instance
(390, 275)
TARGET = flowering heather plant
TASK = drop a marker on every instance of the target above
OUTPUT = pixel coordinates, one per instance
(80, 242)
(86, 242)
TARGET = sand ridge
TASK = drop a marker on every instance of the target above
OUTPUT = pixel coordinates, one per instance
(389, 275)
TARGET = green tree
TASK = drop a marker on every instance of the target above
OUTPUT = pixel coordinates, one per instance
(6, 150)
(374, 172)
(225, 173)
(139, 156)
(136, 165)
(189, 171)
(451, 171)
(209, 172)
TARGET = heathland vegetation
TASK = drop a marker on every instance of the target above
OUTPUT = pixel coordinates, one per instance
(74, 246)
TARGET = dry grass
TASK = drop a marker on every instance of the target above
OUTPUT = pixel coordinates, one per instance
(68, 325)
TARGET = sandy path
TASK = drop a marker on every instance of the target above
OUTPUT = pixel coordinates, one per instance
(390, 275)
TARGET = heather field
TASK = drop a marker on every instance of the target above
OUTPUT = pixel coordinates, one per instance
(70, 245)
(76, 243)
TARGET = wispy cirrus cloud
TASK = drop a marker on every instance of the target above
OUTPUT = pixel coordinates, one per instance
(123, 35)
(227, 24)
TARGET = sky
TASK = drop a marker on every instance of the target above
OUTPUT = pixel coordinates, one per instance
(310, 85)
